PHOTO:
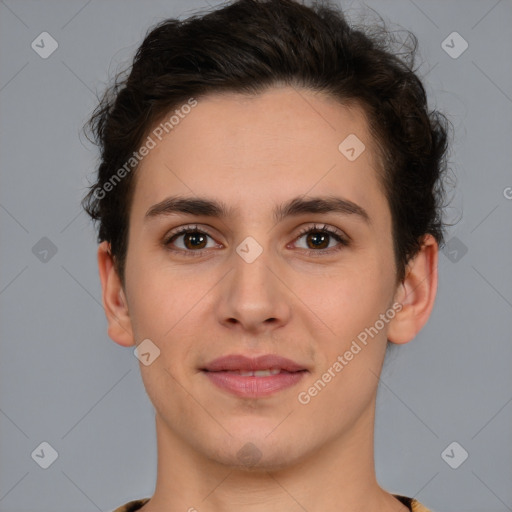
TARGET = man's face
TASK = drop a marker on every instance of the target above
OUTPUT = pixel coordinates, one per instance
(210, 293)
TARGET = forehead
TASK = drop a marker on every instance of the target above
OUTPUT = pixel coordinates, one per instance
(249, 150)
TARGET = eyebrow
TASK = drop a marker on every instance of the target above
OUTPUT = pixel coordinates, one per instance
(297, 206)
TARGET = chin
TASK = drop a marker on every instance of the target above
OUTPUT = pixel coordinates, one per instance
(256, 452)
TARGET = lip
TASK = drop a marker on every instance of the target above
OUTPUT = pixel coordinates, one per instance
(224, 373)
(235, 362)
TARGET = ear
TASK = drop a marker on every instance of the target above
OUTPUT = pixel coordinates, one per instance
(114, 299)
(416, 293)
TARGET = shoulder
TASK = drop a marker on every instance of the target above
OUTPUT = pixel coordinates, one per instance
(413, 504)
(416, 506)
(132, 506)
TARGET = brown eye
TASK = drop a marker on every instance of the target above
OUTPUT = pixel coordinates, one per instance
(189, 239)
(317, 240)
(321, 240)
(194, 240)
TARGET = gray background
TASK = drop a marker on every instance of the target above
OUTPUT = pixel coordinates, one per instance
(65, 382)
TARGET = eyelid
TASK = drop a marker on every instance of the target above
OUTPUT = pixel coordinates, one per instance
(189, 228)
(326, 228)
(342, 238)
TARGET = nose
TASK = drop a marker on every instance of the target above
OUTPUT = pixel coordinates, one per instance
(252, 297)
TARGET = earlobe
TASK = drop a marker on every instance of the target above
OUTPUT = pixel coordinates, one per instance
(114, 299)
(416, 293)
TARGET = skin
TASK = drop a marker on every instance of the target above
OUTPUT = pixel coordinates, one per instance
(252, 153)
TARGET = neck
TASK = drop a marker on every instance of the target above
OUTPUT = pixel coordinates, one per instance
(339, 475)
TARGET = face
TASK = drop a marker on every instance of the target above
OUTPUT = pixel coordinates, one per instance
(289, 261)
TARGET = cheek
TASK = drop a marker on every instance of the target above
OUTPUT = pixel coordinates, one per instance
(159, 294)
(346, 302)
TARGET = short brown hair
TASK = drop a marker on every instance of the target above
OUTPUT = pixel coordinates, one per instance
(249, 46)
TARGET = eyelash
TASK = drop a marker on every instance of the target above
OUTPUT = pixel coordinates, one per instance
(325, 229)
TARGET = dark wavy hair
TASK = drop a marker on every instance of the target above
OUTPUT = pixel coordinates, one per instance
(251, 45)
